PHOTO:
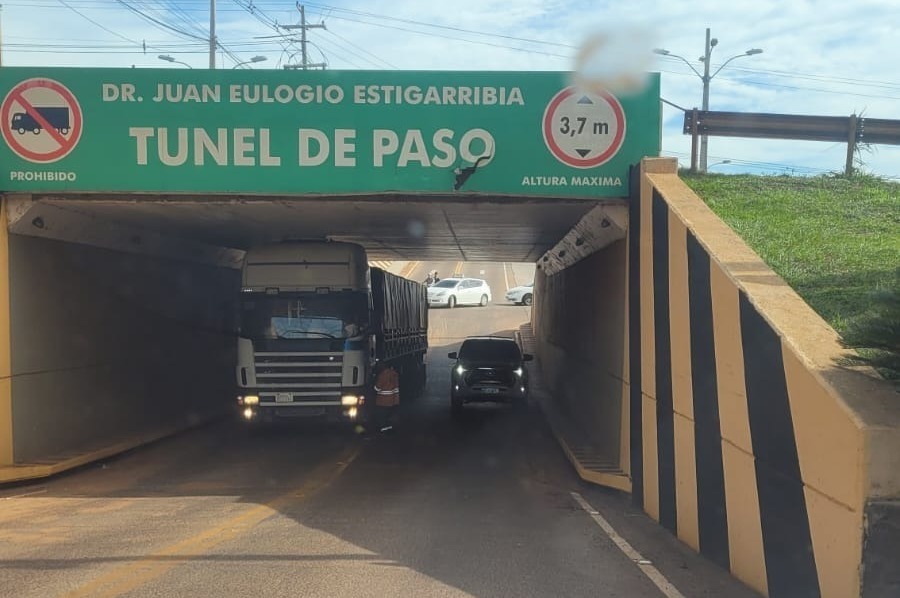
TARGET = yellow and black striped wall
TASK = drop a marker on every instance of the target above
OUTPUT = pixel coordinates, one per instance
(747, 440)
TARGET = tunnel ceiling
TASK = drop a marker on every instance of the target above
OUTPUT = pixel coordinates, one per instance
(390, 227)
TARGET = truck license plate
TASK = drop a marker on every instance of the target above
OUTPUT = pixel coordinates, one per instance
(284, 397)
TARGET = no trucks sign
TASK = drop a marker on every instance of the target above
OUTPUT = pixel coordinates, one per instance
(322, 132)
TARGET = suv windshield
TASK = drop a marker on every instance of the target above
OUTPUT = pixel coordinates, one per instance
(313, 316)
(447, 283)
(490, 350)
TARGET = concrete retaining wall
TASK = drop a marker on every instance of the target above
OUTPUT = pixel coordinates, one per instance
(756, 448)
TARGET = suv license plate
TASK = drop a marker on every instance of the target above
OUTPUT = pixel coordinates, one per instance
(490, 391)
(284, 397)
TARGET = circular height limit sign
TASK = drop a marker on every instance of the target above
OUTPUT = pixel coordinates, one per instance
(40, 120)
(583, 129)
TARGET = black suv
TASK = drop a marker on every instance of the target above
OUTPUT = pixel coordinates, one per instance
(488, 369)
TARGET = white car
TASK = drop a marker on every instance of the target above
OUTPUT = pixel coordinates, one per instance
(451, 292)
(523, 295)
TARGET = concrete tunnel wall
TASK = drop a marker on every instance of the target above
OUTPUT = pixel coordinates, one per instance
(579, 327)
(743, 436)
(107, 345)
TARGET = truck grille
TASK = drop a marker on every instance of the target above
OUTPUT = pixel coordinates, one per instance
(308, 376)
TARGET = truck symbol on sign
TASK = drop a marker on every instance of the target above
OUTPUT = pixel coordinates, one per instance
(56, 117)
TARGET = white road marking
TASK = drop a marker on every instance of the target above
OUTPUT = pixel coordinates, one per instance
(41, 491)
(505, 276)
(643, 564)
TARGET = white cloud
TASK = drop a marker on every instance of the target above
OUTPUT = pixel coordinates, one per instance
(827, 57)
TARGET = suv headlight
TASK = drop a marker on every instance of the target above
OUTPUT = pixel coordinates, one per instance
(460, 370)
(519, 371)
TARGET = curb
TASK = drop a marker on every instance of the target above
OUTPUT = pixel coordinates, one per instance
(577, 458)
(20, 473)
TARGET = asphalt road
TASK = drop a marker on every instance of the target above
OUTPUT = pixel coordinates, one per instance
(478, 507)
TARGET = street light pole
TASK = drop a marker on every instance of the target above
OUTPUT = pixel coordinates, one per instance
(255, 59)
(168, 58)
(705, 77)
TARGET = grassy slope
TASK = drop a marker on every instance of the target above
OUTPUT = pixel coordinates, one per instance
(832, 239)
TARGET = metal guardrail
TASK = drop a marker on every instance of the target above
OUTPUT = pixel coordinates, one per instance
(792, 126)
(850, 129)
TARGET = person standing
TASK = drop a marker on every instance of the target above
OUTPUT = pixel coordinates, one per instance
(387, 397)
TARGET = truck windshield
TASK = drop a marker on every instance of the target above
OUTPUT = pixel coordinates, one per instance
(310, 316)
(490, 350)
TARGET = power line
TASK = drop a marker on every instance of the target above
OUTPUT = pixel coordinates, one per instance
(157, 22)
(90, 20)
(360, 13)
(808, 76)
(462, 39)
(791, 87)
(185, 18)
(348, 42)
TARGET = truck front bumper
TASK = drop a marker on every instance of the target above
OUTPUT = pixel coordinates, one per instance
(272, 406)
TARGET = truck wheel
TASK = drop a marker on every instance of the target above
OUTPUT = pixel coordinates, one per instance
(64, 130)
(21, 130)
(36, 130)
(526, 300)
(483, 300)
(451, 302)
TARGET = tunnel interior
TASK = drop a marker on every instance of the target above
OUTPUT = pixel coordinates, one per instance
(123, 309)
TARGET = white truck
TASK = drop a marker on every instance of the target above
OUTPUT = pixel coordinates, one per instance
(315, 319)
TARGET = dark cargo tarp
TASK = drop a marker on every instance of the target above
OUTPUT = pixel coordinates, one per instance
(400, 314)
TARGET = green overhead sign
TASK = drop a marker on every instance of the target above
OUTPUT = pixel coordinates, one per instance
(319, 132)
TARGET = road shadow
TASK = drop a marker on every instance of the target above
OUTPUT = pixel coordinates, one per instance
(481, 503)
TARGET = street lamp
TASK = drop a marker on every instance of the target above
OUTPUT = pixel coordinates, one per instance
(254, 60)
(168, 58)
(706, 78)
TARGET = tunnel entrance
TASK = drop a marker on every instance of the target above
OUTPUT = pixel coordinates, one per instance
(125, 230)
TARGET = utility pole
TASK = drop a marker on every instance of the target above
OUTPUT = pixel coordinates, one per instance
(212, 34)
(707, 52)
(305, 64)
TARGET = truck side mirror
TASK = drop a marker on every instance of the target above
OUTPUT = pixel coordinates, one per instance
(527, 357)
(452, 355)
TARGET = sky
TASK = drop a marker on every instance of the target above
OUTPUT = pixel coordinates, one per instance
(820, 57)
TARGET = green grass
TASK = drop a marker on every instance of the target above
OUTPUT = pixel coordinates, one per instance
(833, 239)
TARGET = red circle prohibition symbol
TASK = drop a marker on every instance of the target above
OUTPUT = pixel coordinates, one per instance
(599, 159)
(64, 144)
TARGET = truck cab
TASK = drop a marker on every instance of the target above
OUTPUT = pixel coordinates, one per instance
(305, 346)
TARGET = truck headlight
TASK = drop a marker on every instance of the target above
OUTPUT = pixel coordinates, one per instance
(248, 413)
(251, 400)
(349, 400)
